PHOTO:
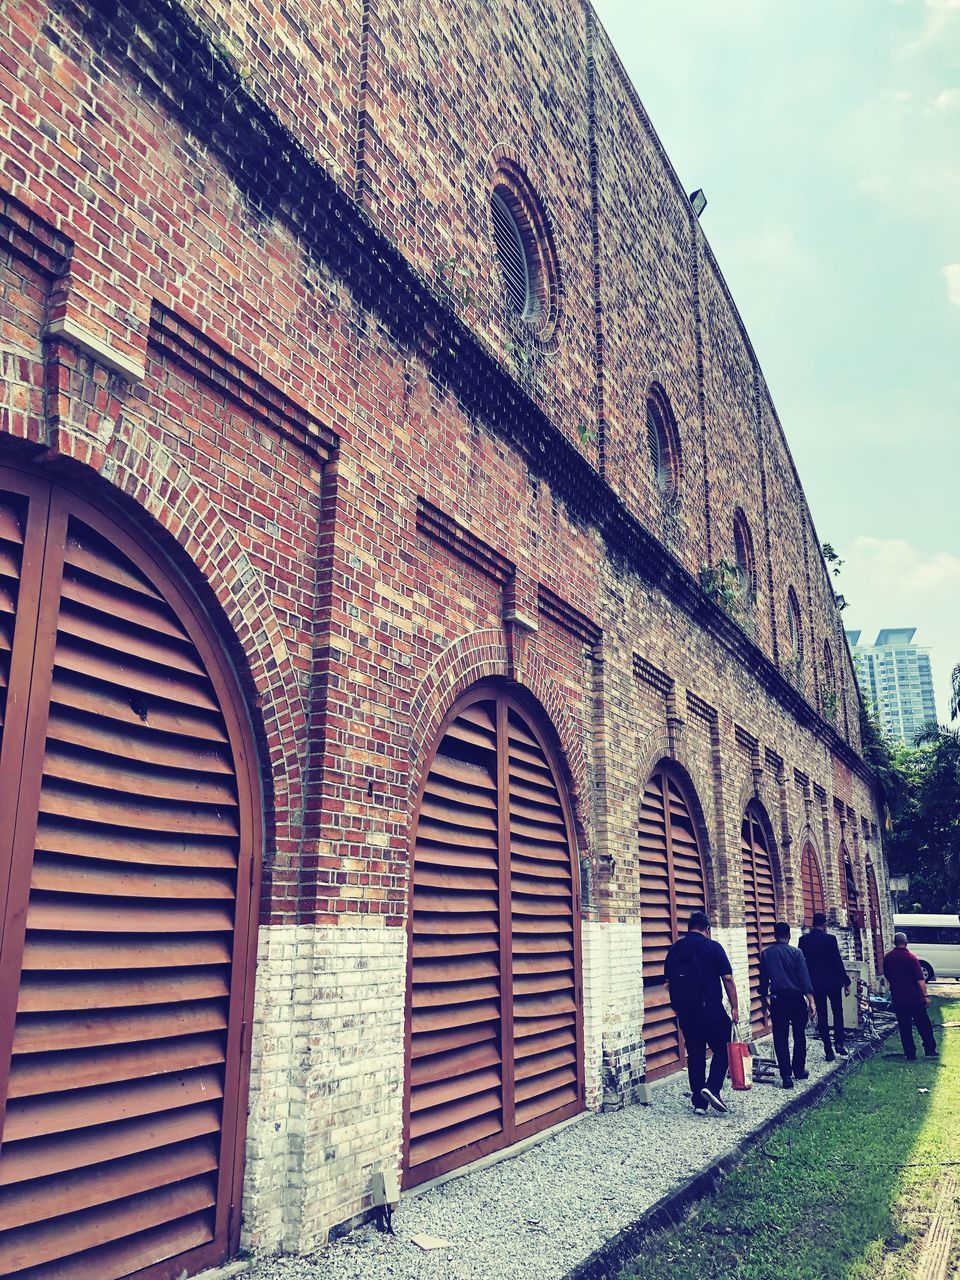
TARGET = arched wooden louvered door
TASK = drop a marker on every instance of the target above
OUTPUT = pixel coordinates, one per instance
(876, 926)
(671, 887)
(494, 1022)
(127, 857)
(759, 903)
(851, 897)
(811, 883)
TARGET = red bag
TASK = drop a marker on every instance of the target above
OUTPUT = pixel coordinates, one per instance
(739, 1060)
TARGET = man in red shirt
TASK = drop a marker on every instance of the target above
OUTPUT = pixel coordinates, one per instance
(908, 994)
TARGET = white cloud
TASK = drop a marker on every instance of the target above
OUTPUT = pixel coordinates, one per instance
(951, 273)
(947, 100)
(889, 583)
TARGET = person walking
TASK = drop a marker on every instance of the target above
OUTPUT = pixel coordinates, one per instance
(829, 976)
(785, 984)
(908, 995)
(698, 971)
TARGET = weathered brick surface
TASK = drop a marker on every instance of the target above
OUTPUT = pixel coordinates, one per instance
(221, 307)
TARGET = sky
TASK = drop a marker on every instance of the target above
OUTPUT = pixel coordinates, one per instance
(826, 136)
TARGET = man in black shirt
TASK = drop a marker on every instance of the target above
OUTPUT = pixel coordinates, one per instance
(784, 980)
(829, 976)
(694, 968)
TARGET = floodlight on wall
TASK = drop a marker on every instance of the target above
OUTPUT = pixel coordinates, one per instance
(698, 200)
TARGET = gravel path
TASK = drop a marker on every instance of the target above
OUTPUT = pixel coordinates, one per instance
(535, 1216)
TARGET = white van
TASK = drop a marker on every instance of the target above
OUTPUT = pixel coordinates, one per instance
(935, 941)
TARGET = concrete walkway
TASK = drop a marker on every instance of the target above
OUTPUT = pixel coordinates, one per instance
(537, 1215)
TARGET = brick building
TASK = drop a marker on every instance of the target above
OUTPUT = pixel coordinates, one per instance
(409, 609)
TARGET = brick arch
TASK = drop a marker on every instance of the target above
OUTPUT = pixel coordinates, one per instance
(804, 839)
(758, 798)
(805, 836)
(483, 655)
(134, 472)
(657, 749)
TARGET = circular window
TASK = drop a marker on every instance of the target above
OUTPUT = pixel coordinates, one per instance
(516, 261)
(663, 444)
(524, 245)
(794, 626)
(743, 554)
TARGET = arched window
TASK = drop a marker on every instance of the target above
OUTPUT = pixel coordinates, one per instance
(129, 940)
(525, 249)
(663, 444)
(829, 671)
(743, 557)
(494, 1025)
(794, 626)
(512, 236)
(759, 900)
(672, 885)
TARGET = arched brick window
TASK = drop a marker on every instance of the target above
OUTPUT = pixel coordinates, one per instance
(525, 250)
(663, 444)
(794, 627)
(743, 557)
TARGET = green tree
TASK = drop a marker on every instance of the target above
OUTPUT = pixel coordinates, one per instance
(936, 824)
(955, 694)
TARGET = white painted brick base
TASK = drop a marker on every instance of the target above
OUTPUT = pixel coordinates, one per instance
(326, 1088)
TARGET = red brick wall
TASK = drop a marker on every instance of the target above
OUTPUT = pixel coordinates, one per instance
(375, 517)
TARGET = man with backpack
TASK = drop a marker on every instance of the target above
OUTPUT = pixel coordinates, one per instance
(829, 976)
(695, 968)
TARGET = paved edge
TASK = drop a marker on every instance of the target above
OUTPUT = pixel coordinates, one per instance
(670, 1208)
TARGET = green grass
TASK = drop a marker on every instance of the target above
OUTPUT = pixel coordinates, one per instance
(830, 1199)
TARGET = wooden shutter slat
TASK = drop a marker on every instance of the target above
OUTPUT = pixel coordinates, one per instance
(448, 1066)
(44, 952)
(442, 1143)
(455, 1086)
(37, 1074)
(430, 1044)
(72, 1031)
(22, 1161)
(455, 1015)
(87, 552)
(69, 875)
(42, 994)
(75, 914)
(455, 1113)
(124, 1257)
(151, 748)
(141, 678)
(71, 1192)
(74, 692)
(160, 849)
(61, 800)
(49, 1241)
(159, 649)
(33, 1117)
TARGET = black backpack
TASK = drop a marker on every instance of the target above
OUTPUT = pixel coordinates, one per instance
(687, 977)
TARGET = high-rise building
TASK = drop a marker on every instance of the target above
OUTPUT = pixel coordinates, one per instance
(895, 677)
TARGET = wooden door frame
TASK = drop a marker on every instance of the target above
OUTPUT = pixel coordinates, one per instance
(504, 695)
(67, 499)
(756, 816)
(670, 771)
